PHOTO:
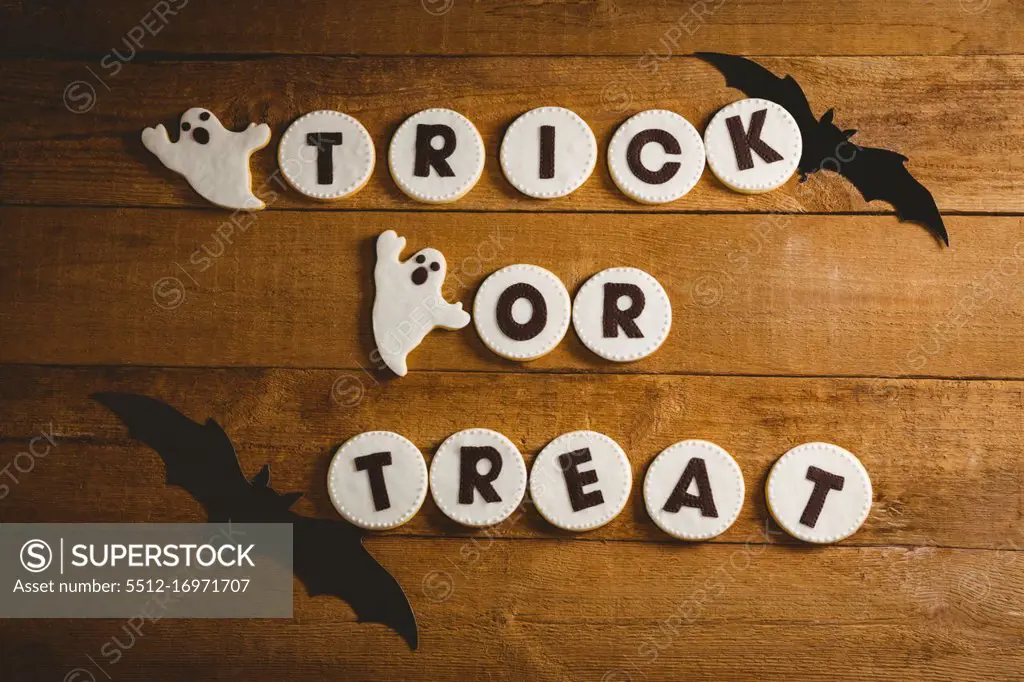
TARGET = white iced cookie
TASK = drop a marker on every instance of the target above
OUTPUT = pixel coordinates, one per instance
(656, 157)
(377, 480)
(622, 314)
(522, 312)
(753, 145)
(548, 152)
(819, 492)
(408, 303)
(436, 156)
(326, 155)
(214, 160)
(580, 480)
(478, 477)
(694, 490)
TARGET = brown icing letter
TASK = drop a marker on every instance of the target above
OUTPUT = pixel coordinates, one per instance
(374, 465)
(823, 483)
(427, 157)
(470, 478)
(538, 318)
(576, 479)
(696, 470)
(745, 142)
(613, 318)
(668, 169)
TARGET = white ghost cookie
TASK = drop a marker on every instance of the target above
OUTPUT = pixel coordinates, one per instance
(214, 160)
(408, 302)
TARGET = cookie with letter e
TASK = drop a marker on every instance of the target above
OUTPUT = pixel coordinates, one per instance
(408, 302)
(213, 159)
(819, 492)
(580, 480)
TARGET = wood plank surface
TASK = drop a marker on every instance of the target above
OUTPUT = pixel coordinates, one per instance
(517, 610)
(499, 27)
(943, 471)
(804, 295)
(956, 118)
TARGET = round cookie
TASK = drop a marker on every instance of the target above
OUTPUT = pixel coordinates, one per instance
(377, 480)
(548, 152)
(580, 480)
(694, 490)
(622, 314)
(753, 145)
(521, 312)
(656, 156)
(436, 156)
(478, 477)
(326, 155)
(819, 492)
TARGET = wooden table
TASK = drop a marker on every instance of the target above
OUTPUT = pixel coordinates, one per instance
(799, 316)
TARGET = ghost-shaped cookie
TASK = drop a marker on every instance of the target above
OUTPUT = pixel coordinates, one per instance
(408, 302)
(213, 159)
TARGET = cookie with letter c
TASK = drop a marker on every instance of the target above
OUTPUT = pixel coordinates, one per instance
(656, 157)
(819, 492)
(377, 480)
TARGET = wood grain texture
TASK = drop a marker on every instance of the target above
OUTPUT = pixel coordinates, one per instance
(804, 295)
(588, 611)
(942, 470)
(496, 27)
(956, 118)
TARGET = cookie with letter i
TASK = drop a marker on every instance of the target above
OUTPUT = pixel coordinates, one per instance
(326, 155)
(408, 302)
(436, 156)
(377, 480)
(819, 492)
(580, 480)
(522, 312)
(213, 159)
(478, 477)
(548, 152)
(753, 145)
(622, 314)
(656, 157)
(694, 490)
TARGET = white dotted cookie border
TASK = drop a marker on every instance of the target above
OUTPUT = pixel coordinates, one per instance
(864, 479)
(503, 512)
(607, 516)
(577, 181)
(660, 462)
(490, 282)
(732, 178)
(666, 322)
(349, 189)
(478, 148)
(421, 491)
(622, 177)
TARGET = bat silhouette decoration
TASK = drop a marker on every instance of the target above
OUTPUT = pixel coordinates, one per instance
(328, 555)
(877, 173)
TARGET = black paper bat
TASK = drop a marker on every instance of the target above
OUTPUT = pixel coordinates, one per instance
(876, 173)
(328, 555)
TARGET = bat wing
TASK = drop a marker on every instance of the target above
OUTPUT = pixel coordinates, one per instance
(197, 457)
(329, 558)
(756, 81)
(880, 174)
